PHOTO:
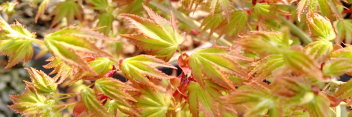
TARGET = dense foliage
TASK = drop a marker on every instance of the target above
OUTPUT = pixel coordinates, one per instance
(266, 58)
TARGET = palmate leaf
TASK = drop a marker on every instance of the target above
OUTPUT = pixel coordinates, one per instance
(340, 62)
(320, 27)
(42, 82)
(68, 9)
(345, 90)
(154, 103)
(139, 68)
(216, 64)
(158, 35)
(101, 66)
(319, 50)
(62, 70)
(274, 42)
(105, 22)
(68, 45)
(301, 63)
(41, 9)
(257, 101)
(100, 4)
(267, 66)
(31, 103)
(114, 89)
(199, 98)
(91, 102)
(344, 30)
(18, 50)
(16, 42)
(318, 106)
(238, 21)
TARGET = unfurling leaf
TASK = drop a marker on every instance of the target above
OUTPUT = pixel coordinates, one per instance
(199, 98)
(262, 9)
(320, 27)
(70, 44)
(267, 66)
(273, 42)
(319, 50)
(258, 102)
(114, 89)
(301, 63)
(139, 68)
(216, 64)
(101, 66)
(31, 103)
(68, 9)
(91, 102)
(158, 35)
(154, 103)
(42, 82)
(62, 70)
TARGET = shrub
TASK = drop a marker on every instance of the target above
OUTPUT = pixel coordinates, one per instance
(267, 58)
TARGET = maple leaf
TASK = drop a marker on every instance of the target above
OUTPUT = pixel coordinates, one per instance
(70, 43)
(31, 103)
(158, 36)
(91, 102)
(320, 27)
(68, 9)
(42, 82)
(339, 63)
(267, 66)
(154, 103)
(345, 90)
(139, 68)
(344, 30)
(114, 89)
(16, 42)
(199, 98)
(319, 50)
(62, 70)
(41, 9)
(216, 64)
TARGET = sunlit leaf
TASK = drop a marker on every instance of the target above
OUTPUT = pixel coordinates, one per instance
(67, 44)
(41, 9)
(344, 30)
(31, 103)
(42, 82)
(140, 68)
(154, 103)
(267, 66)
(320, 27)
(114, 89)
(158, 35)
(216, 64)
(18, 50)
(301, 63)
(319, 50)
(92, 103)
(199, 98)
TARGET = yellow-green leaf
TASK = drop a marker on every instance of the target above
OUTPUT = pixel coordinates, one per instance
(154, 103)
(91, 102)
(42, 82)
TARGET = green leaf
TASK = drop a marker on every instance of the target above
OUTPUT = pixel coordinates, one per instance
(139, 68)
(100, 4)
(41, 9)
(273, 42)
(101, 65)
(212, 21)
(237, 22)
(301, 63)
(340, 62)
(216, 64)
(114, 89)
(105, 22)
(70, 44)
(344, 30)
(31, 103)
(258, 102)
(62, 70)
(42, 82)
(319, 50)
(344, 91)
(267, 66)
(154, 103)
(92, 103)
(318, 107)
(262, 9)
(199, 98)
(320, 27)
(68, 9)
(18, 50)
(154, 31)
